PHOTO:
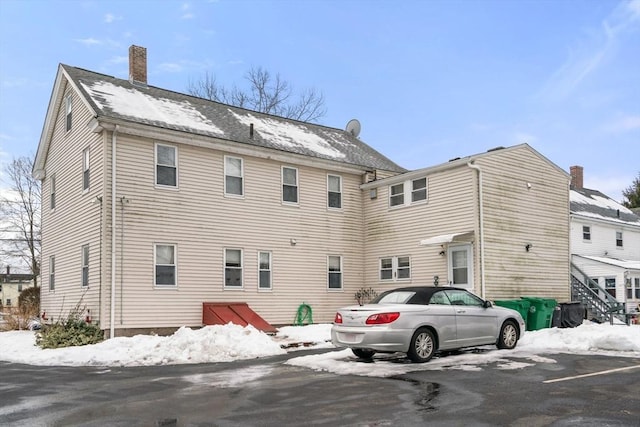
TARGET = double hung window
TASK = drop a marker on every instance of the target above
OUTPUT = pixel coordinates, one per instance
(85, 265)
(233, 268)
(334, 271)
(166, 266)
(289, 185)
(233, 176)
(166, 165)
(334, 191)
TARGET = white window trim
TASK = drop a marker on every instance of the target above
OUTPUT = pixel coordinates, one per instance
(52, 193)
(224, 184)
(621, 240)
(282, 184)
(155, 167)
(394, 269)
(404, 195)
(583, 233)
(333, 208)
(426, 190)
(83, 266)
(407, 191)
(52, 273)
(224, 268)
(341, 288)
(270, 288)
(68, 111)
(175, 265)
(86, 167)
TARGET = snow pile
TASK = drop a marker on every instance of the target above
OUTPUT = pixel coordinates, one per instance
(219, 343)
(586, 338)
(232, 342)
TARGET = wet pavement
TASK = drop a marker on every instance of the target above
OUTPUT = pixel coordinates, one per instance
(265, 392)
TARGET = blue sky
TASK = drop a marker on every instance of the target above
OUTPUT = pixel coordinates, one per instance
(428, 80)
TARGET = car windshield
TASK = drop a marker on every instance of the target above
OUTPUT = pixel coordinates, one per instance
(394, 297)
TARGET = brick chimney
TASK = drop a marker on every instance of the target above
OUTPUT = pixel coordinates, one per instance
(138, 64)
(577, 173)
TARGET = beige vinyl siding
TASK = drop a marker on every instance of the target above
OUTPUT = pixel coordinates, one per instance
(76, 220)
(515, 215)
(202, 222)
(397, 231)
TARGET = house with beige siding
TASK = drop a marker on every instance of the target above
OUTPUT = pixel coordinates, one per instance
(496, 223)
(155, 202)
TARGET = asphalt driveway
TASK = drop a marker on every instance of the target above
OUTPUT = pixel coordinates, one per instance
(576, 390)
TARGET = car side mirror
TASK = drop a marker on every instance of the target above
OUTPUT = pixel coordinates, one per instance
(487, 304)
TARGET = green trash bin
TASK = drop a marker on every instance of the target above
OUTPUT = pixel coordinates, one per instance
(519, 305)
(540, 312)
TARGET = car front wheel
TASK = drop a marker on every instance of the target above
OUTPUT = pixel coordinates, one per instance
(423, 346)
(508, 336)
(362, 353)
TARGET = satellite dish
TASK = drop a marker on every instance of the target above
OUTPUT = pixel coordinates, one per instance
(353, 127)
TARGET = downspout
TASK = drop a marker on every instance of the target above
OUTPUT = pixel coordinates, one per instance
(113, 232)
(480, 207)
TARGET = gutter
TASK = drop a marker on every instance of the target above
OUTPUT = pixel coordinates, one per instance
(113, 232)
(480, 207)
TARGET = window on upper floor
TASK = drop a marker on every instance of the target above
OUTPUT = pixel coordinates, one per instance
(166, 265)
(418, 190)
(233, 176)
(166, 165)
(52, 191)
(289, 185)
(233, 268)
(85, 170)
(395, 268)
(264, 270)
(396, 195)
(334, 272)
(408, 192)
(85, 265)
(619, 239)
(52, 272)
(68, 109)
(334, 191)
(586, 232)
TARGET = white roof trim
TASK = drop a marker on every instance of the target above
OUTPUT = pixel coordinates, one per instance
(448, 238)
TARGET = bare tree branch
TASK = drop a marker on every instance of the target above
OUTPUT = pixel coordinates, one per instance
(266, 94)
(20, 216)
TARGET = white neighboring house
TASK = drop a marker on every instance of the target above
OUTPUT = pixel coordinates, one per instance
(605, 241)
(11, 285)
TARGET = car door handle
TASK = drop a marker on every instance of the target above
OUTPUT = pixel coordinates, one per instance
(461, 311)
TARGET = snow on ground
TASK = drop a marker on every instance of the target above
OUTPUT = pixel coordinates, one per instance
(231, 342)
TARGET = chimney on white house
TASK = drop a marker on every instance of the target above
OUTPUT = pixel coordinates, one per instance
(138, 64)
(577, 174)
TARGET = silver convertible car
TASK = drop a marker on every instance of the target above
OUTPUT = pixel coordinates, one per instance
(422, 320)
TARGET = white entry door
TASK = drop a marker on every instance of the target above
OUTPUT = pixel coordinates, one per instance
(460, 260)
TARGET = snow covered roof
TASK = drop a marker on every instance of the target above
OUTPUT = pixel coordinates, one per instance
(622, 263)
(119, 99)
(594, 204)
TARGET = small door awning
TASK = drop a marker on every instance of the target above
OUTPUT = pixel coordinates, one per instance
(448, 238)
